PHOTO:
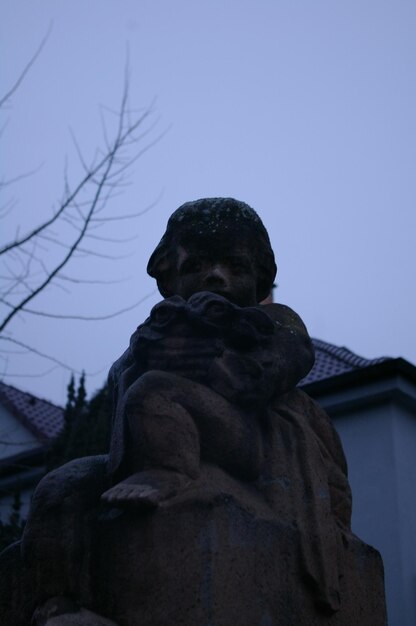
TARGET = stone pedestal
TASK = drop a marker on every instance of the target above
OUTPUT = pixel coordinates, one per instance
(213, 555)
(216, 563)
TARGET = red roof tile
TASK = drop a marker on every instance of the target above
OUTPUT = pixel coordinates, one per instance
(333, 360)
(44, 419)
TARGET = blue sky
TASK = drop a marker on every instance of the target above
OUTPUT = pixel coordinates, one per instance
(304, 110)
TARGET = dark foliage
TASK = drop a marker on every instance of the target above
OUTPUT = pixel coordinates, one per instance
(11, 530)
(87, 426)
(86, 432)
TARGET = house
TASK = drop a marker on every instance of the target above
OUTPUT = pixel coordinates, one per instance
(27, 427)
(372, 403)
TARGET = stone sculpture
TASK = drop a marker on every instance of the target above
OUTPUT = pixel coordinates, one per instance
(224, 499)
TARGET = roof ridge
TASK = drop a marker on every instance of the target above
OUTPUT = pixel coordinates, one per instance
(345, 355)
(43, 418)
(27, 393)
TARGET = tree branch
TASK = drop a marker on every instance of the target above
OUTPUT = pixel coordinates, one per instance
(87, 318)
(26, 69)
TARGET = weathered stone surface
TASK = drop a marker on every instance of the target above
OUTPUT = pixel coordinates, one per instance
(61, 611)
(226, 560)
(52, 560)
(213, 554)
(224, 499)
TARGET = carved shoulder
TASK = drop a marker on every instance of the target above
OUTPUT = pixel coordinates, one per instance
(293, 347)
(285, 316)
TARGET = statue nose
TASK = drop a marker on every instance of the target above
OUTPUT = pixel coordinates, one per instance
(216, 275)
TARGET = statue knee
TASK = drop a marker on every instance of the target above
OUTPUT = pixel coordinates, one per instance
(150, 383)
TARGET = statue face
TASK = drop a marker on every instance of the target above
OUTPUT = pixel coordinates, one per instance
(229, 272)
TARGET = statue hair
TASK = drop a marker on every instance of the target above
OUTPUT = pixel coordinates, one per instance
(220, 219)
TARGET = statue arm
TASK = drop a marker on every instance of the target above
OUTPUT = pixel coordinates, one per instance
(279, 353)
(292, 350)
(123, 373)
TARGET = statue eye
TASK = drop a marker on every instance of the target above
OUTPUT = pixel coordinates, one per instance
(197, 266)
(239, 266)
(191, 266)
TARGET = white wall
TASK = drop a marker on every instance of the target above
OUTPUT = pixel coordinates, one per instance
(377, 426)
(14, 437)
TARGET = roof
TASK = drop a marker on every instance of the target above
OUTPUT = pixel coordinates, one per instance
(333, 360)
(44, 419)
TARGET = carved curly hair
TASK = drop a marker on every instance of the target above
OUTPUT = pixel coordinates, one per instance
(219, 219)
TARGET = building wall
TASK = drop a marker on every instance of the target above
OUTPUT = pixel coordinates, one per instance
(377, 426)
(369, 447)
(14, 437)
(405, 454)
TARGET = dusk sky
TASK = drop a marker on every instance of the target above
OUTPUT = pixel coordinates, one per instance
(304, 110)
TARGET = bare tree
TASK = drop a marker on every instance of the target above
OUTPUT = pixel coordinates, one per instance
(41, 257)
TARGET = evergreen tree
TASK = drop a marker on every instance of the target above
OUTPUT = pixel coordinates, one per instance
(70, 402)
(86, 432)
(86, 426)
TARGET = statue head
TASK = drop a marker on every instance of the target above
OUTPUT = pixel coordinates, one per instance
(218, 245)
